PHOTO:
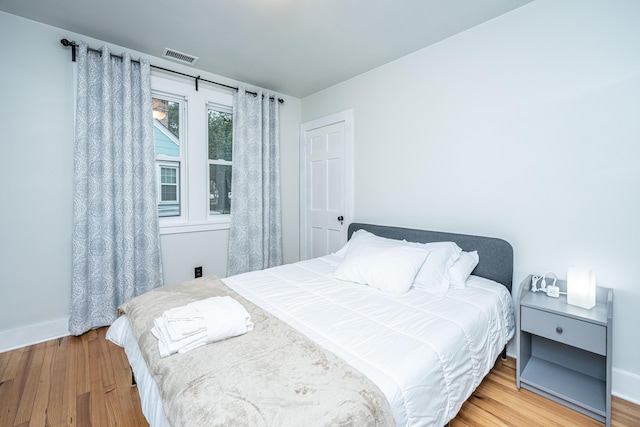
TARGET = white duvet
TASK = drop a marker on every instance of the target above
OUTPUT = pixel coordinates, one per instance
(427, 354)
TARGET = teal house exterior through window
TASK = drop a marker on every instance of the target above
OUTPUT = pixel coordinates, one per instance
(166, 143)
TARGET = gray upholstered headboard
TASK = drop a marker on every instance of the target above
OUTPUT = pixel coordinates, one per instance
(496, 255)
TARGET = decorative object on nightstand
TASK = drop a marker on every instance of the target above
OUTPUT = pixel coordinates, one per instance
(564, 351)
(552, 290)
(581, 287)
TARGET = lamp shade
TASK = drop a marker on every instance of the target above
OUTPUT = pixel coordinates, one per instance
(581, 287)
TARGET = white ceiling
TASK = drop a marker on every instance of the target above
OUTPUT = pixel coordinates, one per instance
(296, 47)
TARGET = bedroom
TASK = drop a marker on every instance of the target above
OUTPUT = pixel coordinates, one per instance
(532, 137)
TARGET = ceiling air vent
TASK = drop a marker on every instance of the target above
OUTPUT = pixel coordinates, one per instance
(179, 56)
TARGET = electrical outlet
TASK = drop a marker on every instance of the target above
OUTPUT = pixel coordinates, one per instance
(197, 272)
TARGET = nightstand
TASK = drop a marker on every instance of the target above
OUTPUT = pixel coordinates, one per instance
(564, 351)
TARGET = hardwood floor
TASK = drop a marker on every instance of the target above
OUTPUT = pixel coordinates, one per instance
(71, 381)
(85, 381)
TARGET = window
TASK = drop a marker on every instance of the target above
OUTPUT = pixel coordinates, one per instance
(193, 140)
(220, 131)
(166, 134)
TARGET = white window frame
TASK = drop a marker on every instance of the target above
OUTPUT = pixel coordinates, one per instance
(194, 164)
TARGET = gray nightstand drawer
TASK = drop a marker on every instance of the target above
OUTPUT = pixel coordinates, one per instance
(585, 335)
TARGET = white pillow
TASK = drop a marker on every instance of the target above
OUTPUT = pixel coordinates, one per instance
(434, 276)
(343, 250)
(368, 238)
(462, 269)
(388, 265)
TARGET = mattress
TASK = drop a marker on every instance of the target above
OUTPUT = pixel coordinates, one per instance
(427, 354)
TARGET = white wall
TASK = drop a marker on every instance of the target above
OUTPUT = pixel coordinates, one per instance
(526, 128)
(37, 169)
(36, 118)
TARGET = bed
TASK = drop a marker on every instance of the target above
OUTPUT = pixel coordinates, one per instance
(424, 353)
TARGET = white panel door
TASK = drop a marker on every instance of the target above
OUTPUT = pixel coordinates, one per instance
(326, 204)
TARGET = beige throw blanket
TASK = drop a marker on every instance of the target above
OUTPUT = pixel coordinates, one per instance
(271, 376)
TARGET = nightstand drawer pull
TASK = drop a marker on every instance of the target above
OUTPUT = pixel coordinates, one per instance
(559, 329)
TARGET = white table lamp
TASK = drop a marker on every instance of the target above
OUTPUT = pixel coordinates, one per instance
(581, 287)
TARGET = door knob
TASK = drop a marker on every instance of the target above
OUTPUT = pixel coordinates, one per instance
(341, 219)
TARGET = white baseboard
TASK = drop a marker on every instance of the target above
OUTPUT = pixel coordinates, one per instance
(626, 385)
(33, 334)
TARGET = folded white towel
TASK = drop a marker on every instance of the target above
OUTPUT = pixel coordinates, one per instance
(184, 328)
(223, 317)
(182, 321)
(167, 346)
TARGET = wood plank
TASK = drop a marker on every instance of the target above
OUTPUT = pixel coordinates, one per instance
(507, 397)
(26, 393)
(83, 383)
(109, 384)
(97, 402)
(13, 363)
(4, 362)
(39, 411)
(83, 410)
(9, 403)
(475, 416)
(73, 373)
(501, 410)
(56, 408)
(11, 382)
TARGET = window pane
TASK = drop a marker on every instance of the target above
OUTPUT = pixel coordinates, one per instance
(169, 193)
(220, 135)
(166, 127)
(219, 189)
(169, 203)
(168, 176)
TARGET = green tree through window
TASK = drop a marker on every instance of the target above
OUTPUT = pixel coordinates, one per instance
(220, 134)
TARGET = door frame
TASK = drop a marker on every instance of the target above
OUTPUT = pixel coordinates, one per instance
(346, 117)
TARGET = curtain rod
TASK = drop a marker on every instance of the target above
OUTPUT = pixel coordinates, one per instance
(196, 79)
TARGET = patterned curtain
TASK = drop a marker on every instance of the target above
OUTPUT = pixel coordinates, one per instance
(255, 235)
(116, 242)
